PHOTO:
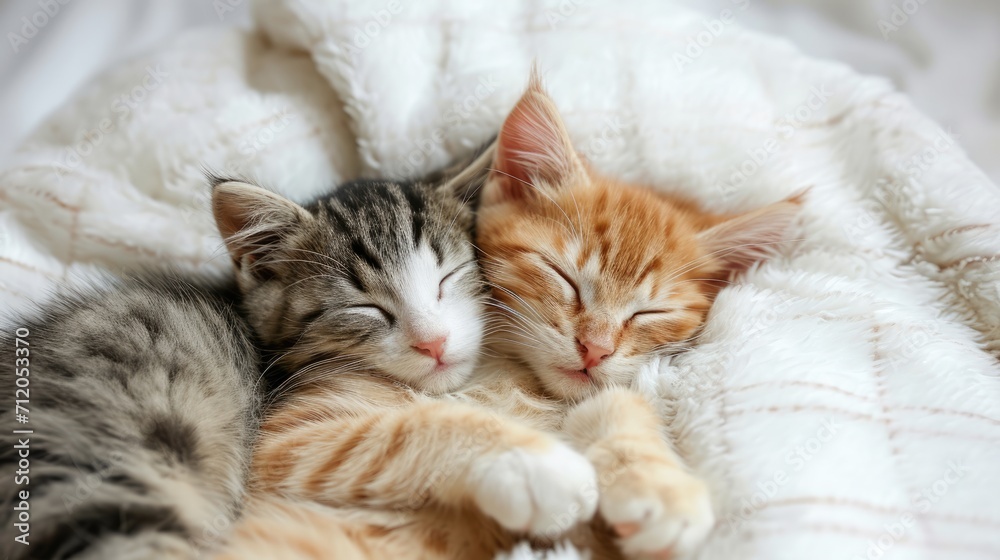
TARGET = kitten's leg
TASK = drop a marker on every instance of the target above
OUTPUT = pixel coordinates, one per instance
(302, 531)
(277, 528)
(647, 496)
(447, 452)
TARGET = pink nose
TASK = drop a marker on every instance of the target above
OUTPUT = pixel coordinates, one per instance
(593, 353)
(433, 348)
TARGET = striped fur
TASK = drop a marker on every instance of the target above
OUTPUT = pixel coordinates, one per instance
(144, 408)
(573, 256)
(144, 395)
(569, 255)
(356, 279)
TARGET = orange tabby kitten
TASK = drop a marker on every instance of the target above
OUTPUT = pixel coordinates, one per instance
(590, 278)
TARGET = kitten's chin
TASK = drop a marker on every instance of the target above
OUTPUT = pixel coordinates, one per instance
(564, 383)
(445, 378)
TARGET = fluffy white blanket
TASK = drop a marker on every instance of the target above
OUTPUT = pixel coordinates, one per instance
(843, 402)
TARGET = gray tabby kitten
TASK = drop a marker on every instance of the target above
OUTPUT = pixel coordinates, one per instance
(144, 397)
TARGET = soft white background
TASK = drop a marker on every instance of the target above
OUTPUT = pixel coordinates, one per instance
(947, 56)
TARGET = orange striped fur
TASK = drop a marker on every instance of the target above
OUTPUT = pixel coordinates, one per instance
(576, 261)
(576, 258)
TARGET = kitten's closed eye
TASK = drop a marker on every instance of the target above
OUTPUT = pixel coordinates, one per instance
(313, 316)
(650, 312)
(452, 276)
(565, 277)
(375, 312)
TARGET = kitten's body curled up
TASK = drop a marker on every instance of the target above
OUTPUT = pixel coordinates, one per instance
(142, 407)
(590, 278)
(144, 399)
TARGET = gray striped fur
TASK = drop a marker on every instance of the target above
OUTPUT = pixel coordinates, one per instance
(144, 396)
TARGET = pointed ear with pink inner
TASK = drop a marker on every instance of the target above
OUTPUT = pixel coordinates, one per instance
(533, 150)
(742, 241)
(253, 221)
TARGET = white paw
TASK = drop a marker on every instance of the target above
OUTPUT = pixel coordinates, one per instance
(542, 492)
(658, 512)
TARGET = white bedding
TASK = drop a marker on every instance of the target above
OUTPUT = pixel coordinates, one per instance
(832, 387)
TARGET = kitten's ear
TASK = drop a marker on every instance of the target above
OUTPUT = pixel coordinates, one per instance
(253, 221)
(533, 148)
(744, 240)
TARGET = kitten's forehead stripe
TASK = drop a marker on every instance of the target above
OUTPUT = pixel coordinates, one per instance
(371, 216)
(417, 206)
(337, 217)
(354, 277)
(367, 256)
(359, 197)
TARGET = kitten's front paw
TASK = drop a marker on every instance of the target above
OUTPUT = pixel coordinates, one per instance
(542, 492)
(658, 510)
